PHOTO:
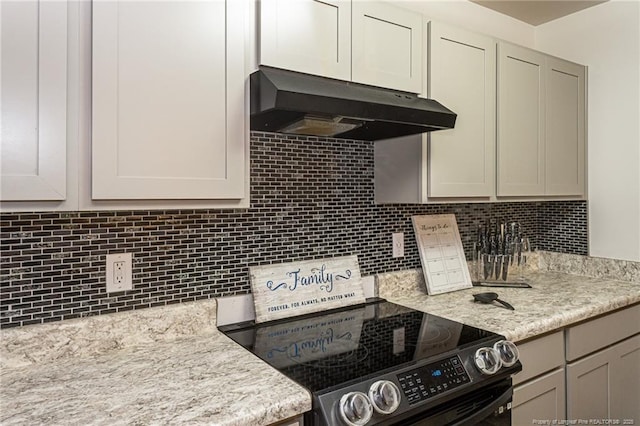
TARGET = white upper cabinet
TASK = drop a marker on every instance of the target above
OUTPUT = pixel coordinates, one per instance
(521, 121)
(565, 116)
(387, 46)
(448, 164)
(309, 36)
(34, 101)
(168, 100)
(520, 138)
(462, 76)
(541, 124)
(373, 43)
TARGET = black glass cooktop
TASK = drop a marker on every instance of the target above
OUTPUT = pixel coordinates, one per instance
(333, 348)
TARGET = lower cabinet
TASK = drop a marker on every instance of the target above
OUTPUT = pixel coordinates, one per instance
(539, 389)
(626, 394)
(606, 385)
(586, 372)
(539, 399)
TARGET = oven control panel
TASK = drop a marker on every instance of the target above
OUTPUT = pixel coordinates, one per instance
(433, 379)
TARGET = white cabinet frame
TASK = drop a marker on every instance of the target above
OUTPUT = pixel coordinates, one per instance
(462, 75)
(387, 46)
(225, 178)
(325, 26)
(34, 101)
(565, 128)
(521, 121)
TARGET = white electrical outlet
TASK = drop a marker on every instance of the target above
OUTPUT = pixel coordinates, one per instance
(398, 244)
(119, 273)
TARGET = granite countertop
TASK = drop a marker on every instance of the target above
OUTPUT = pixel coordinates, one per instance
(196, 379)
(556, 299)
(172, 365)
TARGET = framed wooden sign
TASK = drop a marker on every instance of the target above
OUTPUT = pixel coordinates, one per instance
(297, 288)
(441, 253)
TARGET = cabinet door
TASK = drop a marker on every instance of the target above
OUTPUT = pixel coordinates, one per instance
(541, 398)
(625, 393)
(387, 46)
(589, 384)
(521, 121)
(606, 385)
(565, 128)
(34, 100)
(462, 75)
(168, 100)
(309, 36)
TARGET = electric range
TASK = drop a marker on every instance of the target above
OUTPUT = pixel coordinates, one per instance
(382, 363)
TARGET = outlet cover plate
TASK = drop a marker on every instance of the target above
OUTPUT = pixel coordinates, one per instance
(398, 244)
(119, 272)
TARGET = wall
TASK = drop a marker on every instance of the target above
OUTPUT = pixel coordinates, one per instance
(310, 198)
(606, 38)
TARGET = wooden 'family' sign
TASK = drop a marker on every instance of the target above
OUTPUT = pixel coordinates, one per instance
(296, 288)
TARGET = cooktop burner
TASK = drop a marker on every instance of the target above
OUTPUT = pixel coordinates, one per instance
(324, 350)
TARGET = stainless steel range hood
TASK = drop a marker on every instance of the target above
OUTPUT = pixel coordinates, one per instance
(295, 103)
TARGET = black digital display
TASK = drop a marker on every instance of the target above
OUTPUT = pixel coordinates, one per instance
(433, 379)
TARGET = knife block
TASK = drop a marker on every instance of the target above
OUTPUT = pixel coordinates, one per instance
(497, 268)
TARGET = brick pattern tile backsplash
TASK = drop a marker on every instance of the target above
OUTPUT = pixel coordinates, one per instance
(310, 198)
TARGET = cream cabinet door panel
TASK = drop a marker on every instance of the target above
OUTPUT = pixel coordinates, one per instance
(309, 36)
(606, 385)
(387, 46)
(541, 398)
(462, 75)
(521, 121)
(589, 384)
(565, 128)
(34, 101)
(167, 111)
(625, 394)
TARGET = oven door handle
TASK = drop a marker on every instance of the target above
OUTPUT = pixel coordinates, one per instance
(487, 411)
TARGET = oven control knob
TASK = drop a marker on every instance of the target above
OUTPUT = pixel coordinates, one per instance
(508, 351)
(355, 409)
(488, 360)
(385, 396)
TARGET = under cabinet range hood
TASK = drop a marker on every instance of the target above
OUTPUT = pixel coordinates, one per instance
(290, 102)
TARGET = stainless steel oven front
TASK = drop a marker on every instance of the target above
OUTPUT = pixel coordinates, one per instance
(488, 407)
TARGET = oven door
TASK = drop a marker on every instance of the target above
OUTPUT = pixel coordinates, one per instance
(490, 406)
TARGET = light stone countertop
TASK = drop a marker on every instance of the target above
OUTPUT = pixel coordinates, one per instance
(204, 378)
(556, 299)
(171, 365)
